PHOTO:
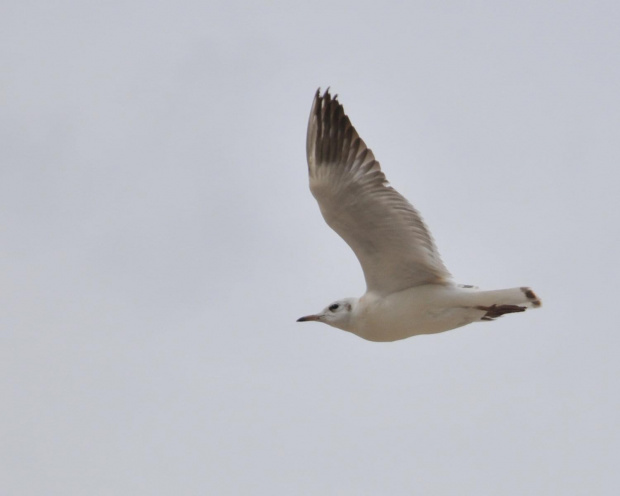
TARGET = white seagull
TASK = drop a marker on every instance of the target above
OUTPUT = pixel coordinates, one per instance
(409, 291)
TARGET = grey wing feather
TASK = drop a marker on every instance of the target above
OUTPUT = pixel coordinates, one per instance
(384, 230)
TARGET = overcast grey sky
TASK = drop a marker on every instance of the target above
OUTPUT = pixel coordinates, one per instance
(158, 241)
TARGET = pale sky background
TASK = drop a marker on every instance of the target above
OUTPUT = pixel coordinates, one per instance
(158, 242)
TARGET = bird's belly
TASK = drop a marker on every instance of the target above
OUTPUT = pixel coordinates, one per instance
(420, 310)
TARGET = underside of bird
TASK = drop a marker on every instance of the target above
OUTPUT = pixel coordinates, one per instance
(431, 309)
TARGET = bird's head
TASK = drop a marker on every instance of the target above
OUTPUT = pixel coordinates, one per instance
(338, 314)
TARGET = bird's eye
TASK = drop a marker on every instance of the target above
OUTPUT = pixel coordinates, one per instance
(334, 307)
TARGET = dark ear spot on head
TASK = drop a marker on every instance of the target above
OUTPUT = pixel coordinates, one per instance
(348, 307)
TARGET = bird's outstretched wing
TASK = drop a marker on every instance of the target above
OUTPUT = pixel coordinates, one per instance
(384, 230)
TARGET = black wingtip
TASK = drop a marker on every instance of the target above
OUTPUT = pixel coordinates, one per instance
(326, 95)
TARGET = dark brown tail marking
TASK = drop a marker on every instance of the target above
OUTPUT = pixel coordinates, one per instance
(530, 295)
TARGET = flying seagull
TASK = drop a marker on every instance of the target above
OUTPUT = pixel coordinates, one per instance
(409, 291)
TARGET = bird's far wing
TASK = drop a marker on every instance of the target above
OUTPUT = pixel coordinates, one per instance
(386, 233)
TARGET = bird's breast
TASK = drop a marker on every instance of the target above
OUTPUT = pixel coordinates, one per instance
(426, 309)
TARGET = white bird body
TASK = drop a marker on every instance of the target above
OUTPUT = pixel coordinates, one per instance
(409, 290)
(426, 309)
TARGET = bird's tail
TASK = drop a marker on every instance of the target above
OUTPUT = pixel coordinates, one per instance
(496, 303)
